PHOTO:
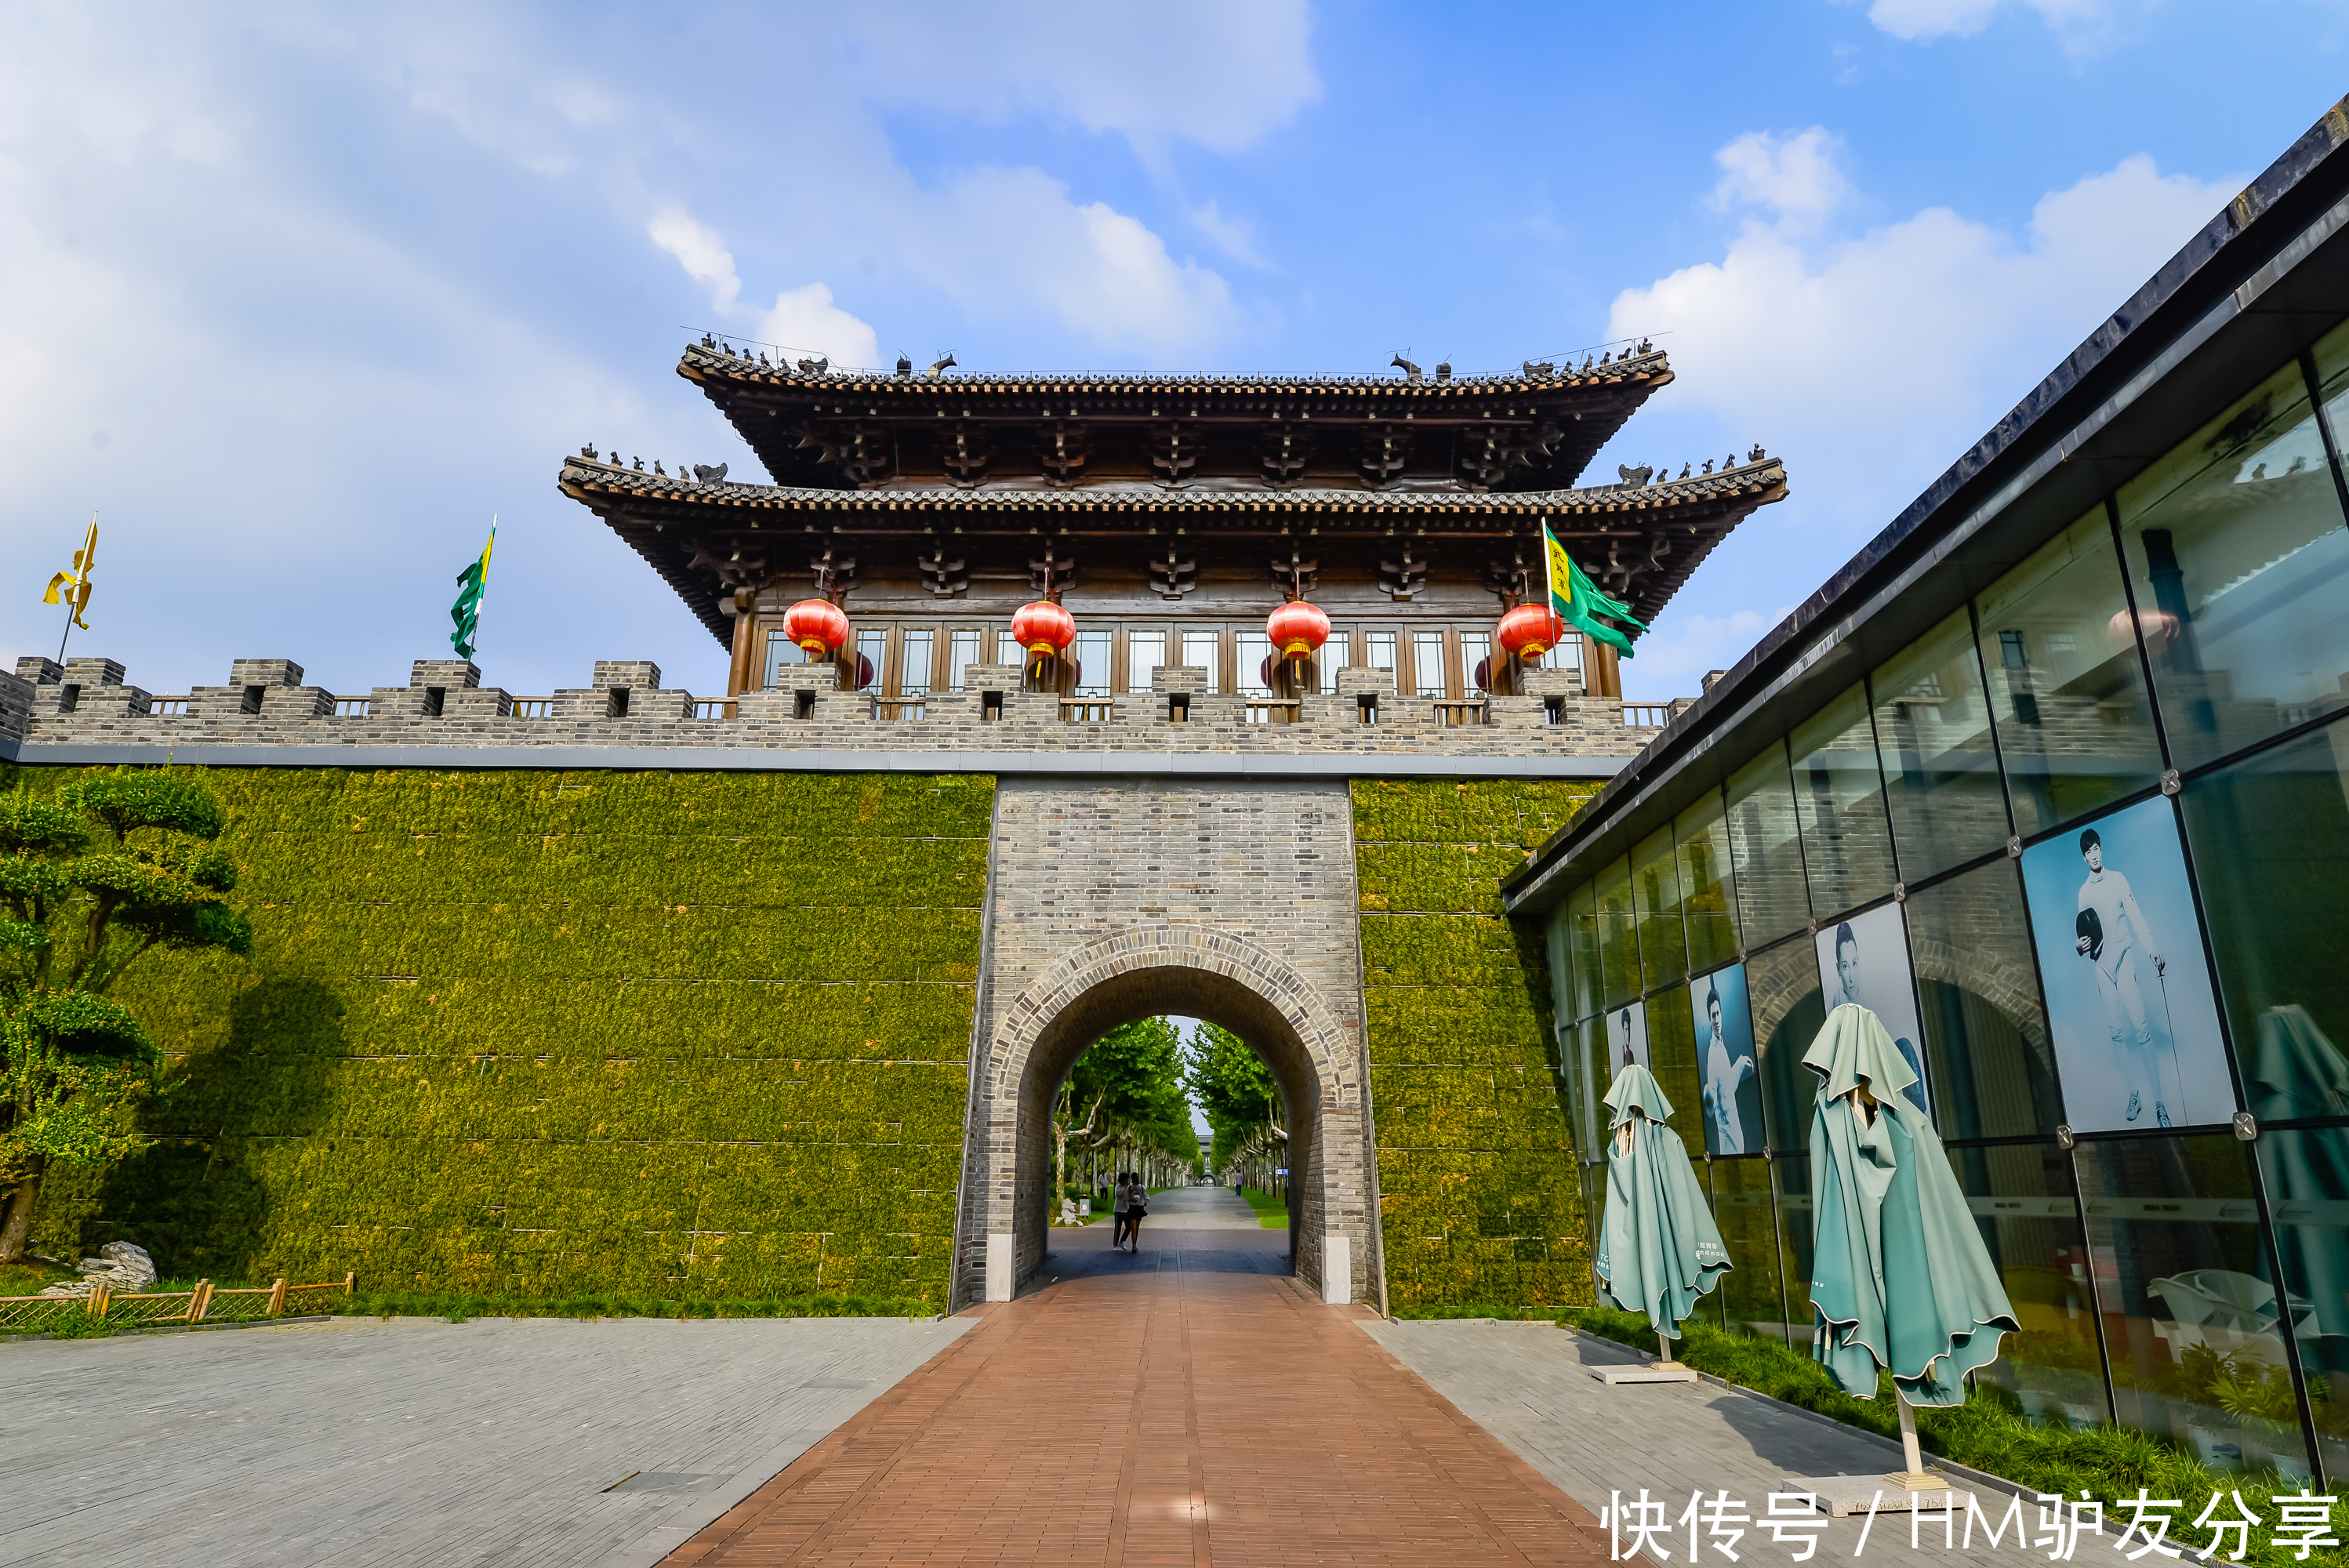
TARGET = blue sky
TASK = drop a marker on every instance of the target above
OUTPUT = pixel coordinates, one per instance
(297, 298)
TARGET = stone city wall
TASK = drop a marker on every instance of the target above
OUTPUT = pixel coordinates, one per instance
(87, 702)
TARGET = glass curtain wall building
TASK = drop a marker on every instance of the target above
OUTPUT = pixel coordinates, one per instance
(2054, 778)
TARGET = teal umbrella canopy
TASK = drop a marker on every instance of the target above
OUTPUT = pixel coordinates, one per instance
(1658, 1249)
(1899, 1277)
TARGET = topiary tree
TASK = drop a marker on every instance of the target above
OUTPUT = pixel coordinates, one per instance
(92, 880)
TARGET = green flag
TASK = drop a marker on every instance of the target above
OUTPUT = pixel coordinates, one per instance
(467, 610)
(1580, 604)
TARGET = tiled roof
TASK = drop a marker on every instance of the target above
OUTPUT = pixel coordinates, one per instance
(701, 363)
(1747, 479)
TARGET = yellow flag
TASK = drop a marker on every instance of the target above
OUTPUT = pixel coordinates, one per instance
(76, 583)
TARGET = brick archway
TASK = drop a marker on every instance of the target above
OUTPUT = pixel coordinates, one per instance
(1139, 974)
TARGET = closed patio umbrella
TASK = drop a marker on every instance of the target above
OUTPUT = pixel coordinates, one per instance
(1658, 1249)
(1901, 1280)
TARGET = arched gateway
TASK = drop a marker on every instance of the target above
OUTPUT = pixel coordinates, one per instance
(1142, 973)
(1115, 898)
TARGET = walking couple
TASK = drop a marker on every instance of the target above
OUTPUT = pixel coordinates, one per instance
(1133, 1203)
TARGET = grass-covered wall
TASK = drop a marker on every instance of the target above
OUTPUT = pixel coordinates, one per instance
(1477, 1186)
(545, 1034)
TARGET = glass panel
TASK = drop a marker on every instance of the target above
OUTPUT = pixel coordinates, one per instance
(1742, 1207)
(2189, 1311)
(2270, 839)
(914, 664)
(2235, 545)
(2074, 724)
(1427, 662)
(962, 652)
(1379, 651)
(2020, 1196)
(1702, 835)
(1618, 949)
(1940, 771)
(1594, 1202)
(1846, 845)
(872, 659)
(2307, 1194)
(1255, 660)
(1781, 986)
(1729, 1068)
(782, 655)
(1672, 1056)
(1566, 655)
(1588, 1085)
(1476, 661)
(1201, 651)
(1791, 1175)
(1144, 652)
(1986, 1045)
(1582, 949)
(1092, 652)
(1772, 897)
(1656, 900)
(1333, 659)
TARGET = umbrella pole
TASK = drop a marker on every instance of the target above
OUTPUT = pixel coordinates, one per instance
(1664, 1362)
(1914, 1477)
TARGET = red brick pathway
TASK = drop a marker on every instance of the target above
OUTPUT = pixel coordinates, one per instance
(1151, 1411)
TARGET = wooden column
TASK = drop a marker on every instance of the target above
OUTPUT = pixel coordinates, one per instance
(1606, 670)
(746, 645)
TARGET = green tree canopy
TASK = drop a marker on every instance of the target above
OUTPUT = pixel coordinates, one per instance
(92, 879)
(1234, 1090)
(1136, 1071)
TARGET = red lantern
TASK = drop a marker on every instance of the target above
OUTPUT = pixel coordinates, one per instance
(819, 625)
(1043, 628)
(1529, 631)
(1297, 629)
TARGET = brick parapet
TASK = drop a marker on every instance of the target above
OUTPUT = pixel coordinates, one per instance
(265, 704)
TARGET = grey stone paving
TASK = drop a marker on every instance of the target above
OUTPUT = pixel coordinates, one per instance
(1529, 1385)
(356, 1443)
(1199, 1209)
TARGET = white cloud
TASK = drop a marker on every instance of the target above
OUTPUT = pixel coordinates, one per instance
(805, 319)
(1011, 240)
(1233, 236)
(1913, 20)
(1220, 73)
(702, 254)
(2082, 26)
(1888, 351)
(1869, 361)
(1796, 177)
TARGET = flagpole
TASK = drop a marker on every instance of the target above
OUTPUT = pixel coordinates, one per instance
(82, 563)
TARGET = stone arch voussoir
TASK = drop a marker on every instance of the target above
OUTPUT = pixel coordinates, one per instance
(1316, 1024)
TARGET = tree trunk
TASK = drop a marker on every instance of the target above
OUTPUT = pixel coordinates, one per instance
(16, 1231)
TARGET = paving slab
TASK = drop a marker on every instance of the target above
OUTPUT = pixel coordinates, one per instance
(1178, 1406)
(1530, 1383)
(358, 1443)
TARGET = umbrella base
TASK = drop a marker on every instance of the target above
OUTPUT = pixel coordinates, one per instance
(1658, 1372)
(1841, 1496)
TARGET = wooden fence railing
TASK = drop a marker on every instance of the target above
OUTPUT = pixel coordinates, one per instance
(33, 1314)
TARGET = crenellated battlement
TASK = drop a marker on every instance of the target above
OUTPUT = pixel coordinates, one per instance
(86, 710)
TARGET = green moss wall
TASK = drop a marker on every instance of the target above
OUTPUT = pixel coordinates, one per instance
(1478, 1199)
(687, 1035)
